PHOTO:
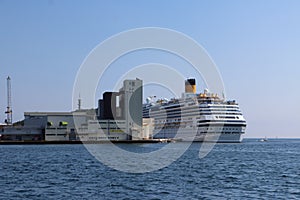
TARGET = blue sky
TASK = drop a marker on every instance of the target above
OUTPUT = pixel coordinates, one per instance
(255, 45)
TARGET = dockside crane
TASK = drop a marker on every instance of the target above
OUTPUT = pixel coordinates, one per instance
(8, 111)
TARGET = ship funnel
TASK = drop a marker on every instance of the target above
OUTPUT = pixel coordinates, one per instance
(190, 86)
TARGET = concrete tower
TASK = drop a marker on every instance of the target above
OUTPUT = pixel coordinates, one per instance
(131, 97)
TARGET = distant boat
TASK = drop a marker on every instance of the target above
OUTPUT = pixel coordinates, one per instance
(264, 139)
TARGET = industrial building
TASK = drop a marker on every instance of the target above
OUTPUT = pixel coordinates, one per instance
(57, 126)
(118, 117)
(120, 114)
(48, 126)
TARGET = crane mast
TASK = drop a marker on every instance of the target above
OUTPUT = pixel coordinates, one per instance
(8, 111)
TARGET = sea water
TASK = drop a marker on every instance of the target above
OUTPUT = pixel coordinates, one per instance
(249, 170)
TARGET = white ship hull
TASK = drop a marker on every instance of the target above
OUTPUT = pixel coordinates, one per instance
(189, 135)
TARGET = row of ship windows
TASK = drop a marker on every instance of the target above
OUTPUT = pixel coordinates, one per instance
(178, 113)
(192, 110)
(226, 132)
(208, 128)
(226, 129)
(227, 117)
(163, 116)
(218, 107)
(192, 106)
(190, 119)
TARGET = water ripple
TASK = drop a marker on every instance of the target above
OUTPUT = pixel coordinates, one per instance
(236, 171)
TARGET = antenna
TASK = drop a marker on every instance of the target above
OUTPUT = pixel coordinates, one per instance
(79, 102)
(8, 111)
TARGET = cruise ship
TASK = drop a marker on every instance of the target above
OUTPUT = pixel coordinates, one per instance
(203, 117)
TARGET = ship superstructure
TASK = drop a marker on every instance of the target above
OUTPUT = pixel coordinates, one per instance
(196, 117)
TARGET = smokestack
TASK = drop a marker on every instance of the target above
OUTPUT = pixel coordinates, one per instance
(190, 86)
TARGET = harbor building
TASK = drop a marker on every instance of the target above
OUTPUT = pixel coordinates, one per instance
(119, 114)
(56, 126)
(21, 133)
(48, 126)
(117, 118)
